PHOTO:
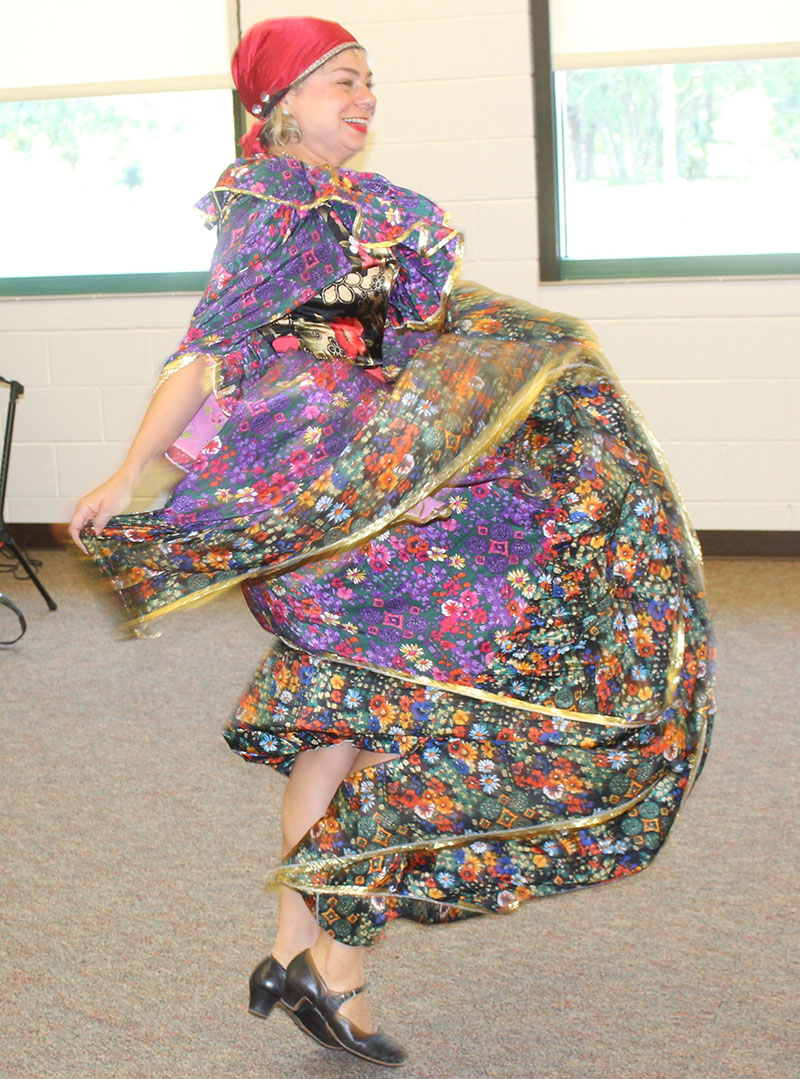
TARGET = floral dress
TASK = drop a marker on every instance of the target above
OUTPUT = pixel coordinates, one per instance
(471, 555)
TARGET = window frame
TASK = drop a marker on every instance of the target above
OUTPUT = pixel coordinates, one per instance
(179, 281)
(553, 267)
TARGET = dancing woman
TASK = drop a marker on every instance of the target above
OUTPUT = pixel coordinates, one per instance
(490, 676)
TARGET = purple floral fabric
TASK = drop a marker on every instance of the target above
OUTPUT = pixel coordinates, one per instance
(275, 252)
(481, 566)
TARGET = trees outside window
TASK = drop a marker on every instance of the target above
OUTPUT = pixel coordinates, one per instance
(104, 188)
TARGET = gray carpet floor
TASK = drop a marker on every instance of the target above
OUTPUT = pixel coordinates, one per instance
(133, 846)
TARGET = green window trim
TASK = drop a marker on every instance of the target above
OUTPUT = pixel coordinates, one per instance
(545, 143)
(553, 268)
(84, 284)
(778, 265)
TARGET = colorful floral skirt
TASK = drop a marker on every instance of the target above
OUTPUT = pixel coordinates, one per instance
(484, 569)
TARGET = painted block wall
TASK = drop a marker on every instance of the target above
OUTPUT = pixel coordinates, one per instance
(713, 364)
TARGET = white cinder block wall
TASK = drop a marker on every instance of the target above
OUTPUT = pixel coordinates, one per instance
(713, 364)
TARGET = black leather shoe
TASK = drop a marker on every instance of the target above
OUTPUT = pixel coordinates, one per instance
(306, 994)
(267, 986)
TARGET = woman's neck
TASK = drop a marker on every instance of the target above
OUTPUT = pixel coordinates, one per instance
(304, 159)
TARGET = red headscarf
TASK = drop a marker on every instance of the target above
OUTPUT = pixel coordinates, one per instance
(275, 54)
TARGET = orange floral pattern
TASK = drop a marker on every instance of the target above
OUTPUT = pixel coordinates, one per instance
(537, 652)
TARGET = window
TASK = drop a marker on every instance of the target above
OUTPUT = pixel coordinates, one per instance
(105, 171)
(105, 188)
(662, 154)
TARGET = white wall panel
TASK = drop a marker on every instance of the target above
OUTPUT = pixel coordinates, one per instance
(754, 477)
(390, 47)
(700, 469)
(725, 410)
(425, 111)
(33, 470)
(100, 358)
(481, 46)
(491, 7)
(514, 278)
(741, 514)
(23, 357)
(47, 43)
(472, 170)
(500, 107)
(649, 399)
(506, 227)
(59, 414)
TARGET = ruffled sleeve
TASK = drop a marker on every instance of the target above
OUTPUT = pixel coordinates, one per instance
(274, 252)
(271, 255)
(419, 235)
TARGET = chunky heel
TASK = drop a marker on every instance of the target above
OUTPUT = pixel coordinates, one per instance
(261, 1001)
(266, 986)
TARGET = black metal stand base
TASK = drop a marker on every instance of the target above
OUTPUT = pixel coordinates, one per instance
(6, 539)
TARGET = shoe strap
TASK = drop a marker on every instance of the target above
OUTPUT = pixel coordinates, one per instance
(340, 998)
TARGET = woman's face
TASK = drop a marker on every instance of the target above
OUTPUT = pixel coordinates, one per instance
(333, 108)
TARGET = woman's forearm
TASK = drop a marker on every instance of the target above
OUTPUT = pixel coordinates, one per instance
(174, 403)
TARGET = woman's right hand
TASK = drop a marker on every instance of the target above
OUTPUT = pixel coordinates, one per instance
(99, 505)
(170, 409)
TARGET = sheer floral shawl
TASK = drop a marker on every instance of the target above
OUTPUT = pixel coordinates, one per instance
(459, 394)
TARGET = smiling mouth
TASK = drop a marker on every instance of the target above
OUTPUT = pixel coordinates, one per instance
(358, 122)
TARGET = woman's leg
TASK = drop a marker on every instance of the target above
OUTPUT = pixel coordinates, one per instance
(312, 784)
(340, 965)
